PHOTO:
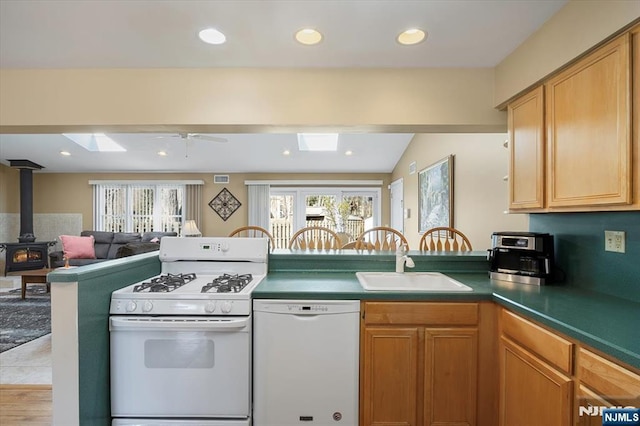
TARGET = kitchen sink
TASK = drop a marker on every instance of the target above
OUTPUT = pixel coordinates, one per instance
(409, 281)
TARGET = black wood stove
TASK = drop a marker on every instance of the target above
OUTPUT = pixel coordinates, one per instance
(26, 254)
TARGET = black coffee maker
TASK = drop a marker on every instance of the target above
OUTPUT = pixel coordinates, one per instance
(522, 257)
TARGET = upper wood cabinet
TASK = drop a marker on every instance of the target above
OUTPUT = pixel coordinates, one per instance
(588, 113)
(526, 151)
(575, 140)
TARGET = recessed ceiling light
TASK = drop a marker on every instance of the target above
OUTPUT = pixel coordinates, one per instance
(65, 153)
(212, 36)
(348, 152)
(286, 152)
(162, 153)
(411, 36)
(308, 36)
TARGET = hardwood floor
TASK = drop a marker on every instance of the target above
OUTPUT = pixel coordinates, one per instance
(25, 405)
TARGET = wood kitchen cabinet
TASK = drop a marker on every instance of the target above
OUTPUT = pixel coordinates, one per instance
(536, 387)
(574, 140)
(588, 119)
(419, 363)
(602, 383)
(526, 151)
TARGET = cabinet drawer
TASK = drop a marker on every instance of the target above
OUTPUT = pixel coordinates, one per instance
(417, 313)
(610, 380)
(549, 346)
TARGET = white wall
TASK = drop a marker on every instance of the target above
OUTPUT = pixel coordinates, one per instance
(480, 194)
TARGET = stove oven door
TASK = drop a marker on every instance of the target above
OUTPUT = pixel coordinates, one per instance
(180, 367)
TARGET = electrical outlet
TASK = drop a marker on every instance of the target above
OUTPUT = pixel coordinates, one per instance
(614, 241)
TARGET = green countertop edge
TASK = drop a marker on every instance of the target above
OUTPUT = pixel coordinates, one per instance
(94, 270)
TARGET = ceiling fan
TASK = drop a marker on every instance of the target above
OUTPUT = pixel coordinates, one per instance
(197, 136)
(186, 137)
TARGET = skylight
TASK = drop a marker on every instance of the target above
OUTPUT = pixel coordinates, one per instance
(96, 142)
(318, 141)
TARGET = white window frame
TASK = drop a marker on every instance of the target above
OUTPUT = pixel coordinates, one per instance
(300, 194)
(98, 219)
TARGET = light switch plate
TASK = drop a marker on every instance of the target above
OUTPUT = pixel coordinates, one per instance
(614, 241)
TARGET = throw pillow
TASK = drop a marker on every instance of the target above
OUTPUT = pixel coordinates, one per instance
(78, 247)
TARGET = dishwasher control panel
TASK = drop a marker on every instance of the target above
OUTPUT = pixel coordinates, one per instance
(308, 308)
(301, 307)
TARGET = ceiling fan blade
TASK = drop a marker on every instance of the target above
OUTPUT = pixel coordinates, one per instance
(209, 138)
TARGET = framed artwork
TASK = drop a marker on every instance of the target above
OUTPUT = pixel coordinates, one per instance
(435, 195)
(225, 204)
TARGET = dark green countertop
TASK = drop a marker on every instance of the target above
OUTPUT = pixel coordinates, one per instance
(603, 322)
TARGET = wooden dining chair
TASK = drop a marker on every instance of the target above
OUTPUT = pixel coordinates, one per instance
(380, 238)
(253, 232)
(315, 238)
(349, 245)
(444, 239)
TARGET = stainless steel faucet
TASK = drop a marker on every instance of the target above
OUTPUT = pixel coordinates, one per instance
(402, 258)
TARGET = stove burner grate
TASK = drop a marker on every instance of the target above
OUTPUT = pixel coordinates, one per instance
(164, 283)
(227, 283)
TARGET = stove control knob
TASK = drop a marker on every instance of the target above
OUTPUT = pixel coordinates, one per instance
(227, 306)
(131, 306)
(147, 306)
(210, 307)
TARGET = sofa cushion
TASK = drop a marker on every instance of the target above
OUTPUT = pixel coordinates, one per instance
(136, 248)
(102, 242)
(148, 236)
(119, 240)
(99, 236)
(82, 262)
(78, 247)
(126, 237)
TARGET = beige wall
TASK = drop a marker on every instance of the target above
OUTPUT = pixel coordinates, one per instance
(248, 100)
(9, 190)
(71, 193)
(480, 193)
(576, 28)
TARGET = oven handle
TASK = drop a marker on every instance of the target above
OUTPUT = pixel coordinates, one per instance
(178, 323)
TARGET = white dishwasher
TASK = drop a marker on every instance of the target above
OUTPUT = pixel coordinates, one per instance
(305, 362)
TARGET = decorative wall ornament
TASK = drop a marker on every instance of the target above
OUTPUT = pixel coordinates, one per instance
(225, 204)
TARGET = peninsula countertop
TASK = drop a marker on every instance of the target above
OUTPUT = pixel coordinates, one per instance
(601, 321)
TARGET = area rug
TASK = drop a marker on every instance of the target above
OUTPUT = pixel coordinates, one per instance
(22, 320)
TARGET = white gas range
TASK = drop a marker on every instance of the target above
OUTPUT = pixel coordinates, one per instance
(181, 341)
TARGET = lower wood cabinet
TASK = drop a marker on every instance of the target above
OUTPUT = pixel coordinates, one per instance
(602, 383)
(419, 363)
(548, 379)
(390, 375)
(532, 393)
(536, 387)
(466, 364)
